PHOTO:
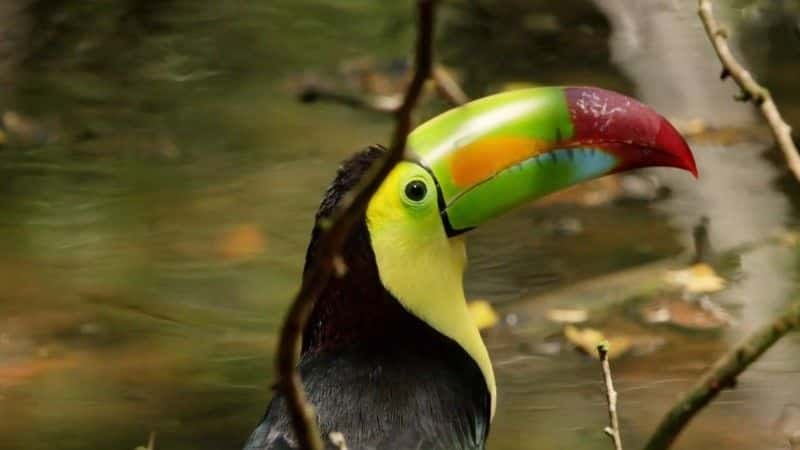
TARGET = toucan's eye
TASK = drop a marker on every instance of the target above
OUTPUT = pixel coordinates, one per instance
(416, 190)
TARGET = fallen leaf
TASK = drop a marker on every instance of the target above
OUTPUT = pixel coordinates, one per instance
(587, 340)
(25, 370)
(684, 314)
(242, 242)
(697, 279)
(567, 315)
(483, 315)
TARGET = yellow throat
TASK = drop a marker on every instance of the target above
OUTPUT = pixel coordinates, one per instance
(421, 266)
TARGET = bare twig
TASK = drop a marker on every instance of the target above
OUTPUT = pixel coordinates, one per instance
(335, 234)
(312, 92)
(151, 442)
(721, 376)
(448, 88)
(611, 395)
(751, 90)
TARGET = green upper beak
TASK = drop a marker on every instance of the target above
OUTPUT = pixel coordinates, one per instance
(497, 152)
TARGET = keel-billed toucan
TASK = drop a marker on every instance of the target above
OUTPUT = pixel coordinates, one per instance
(391, 358)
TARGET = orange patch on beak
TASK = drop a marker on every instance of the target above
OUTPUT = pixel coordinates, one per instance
(486, 157)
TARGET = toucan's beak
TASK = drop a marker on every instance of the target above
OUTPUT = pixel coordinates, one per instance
(495, 153)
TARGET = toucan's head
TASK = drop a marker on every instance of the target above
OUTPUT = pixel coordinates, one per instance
(482, 159)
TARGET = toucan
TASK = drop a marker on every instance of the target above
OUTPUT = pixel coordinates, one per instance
(391, 359)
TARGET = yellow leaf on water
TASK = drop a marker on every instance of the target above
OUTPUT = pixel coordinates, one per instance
(699, 278)
(587, 340)
(567, 315)
(483, 315)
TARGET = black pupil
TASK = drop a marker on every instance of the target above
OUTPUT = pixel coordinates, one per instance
(416, 190)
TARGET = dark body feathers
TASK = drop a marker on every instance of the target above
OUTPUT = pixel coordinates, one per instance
(376, 373)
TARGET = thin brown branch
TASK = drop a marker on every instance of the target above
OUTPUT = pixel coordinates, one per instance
(751, 90)
(722, 376)
(312, 92)
(611, 397)
(448, 88)
(333, 237)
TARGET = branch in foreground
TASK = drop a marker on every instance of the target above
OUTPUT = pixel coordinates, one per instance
(611, 396)
(721, 376)
(750, 88)
(333, 238)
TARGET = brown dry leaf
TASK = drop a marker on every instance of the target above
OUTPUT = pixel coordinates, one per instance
(683, 314)
(242, 242)
(24, 370)
(567, 315)
(587, 340)
(698, 279)
(483, 315)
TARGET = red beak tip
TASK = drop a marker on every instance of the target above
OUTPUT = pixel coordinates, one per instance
(599, 115)
(691, 169)
(671, 140)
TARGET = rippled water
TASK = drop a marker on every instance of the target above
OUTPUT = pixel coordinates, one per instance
(157, 204)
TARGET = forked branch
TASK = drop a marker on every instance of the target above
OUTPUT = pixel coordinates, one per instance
(751, 90)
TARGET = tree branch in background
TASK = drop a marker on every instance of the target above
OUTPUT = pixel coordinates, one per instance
(611, 396)
(333, 236)
(447, 87)
(312, 92)
(751, 90)
(721, 376)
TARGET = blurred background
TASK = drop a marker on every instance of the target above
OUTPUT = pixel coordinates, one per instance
(159, 176)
